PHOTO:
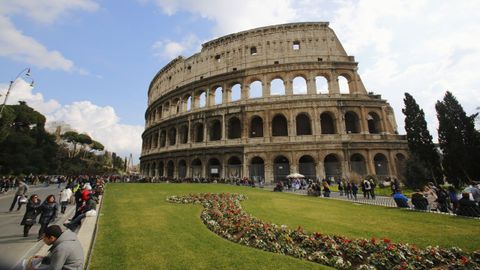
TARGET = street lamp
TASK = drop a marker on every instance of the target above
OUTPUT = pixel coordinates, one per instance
(25, 75)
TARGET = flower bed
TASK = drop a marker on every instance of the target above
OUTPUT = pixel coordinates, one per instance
(223, 215)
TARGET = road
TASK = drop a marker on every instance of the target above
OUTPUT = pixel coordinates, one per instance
(13, 246)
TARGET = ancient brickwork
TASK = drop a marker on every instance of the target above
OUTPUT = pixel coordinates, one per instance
(267, 102)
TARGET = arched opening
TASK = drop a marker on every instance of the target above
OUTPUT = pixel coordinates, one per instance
(381, 166)
(321, 83)
(184, 134)
(215, 130)
(281, 168)
(257, 169)
(196, 168)
(299, 86)
(170, 169)
(358, 165)
(327, 124)
(202, 99)
(279, 125)
(163, 138)
(333, 167)
(172, 136)
(214, 168)
(218, 95)
(160, 168)
(236, 92)
(256, 127)
(277, 87)
(155, 140)
(176, 103)
(343, 85)
(401, 166)
(189, 103)
(256, 89)
(234, 128)
(304, 126)
(159, 112)
(182, 169)
(234, 168)
(352, 124)
(373, 123)
(198, 132)
(306, 166)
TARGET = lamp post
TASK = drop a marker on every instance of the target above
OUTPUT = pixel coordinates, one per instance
(24, 74)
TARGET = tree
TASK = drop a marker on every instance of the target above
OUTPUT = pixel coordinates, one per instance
(420, 144)
(459, 141)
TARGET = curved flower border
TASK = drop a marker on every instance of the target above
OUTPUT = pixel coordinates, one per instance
(224, 215)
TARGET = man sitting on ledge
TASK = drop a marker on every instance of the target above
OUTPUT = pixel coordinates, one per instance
(400, 199)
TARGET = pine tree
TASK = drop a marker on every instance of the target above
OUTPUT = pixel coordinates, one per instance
(420, 141)
(459, 141)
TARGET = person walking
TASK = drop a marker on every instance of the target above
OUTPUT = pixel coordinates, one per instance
(366, 189)
(21, 191)
(354, 191)
(48, 210)
(348, 190)
(31, 214)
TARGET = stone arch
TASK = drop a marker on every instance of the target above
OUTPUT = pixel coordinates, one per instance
(187, 101)
(160, 168)
(215, 130)
(198, 130)
(234, 167)
(277, 87)
(281, 168)
(343, 84)
(184, 134)
(352, 122)
(163, 138)
(218, 95)
(256, 127)
(299, 85)
(196, 168)
(234, 128)
(321, 85)
(257, 169)
(170, 169)
(214, 168)
(256, 89)
(279, 125)
(202, 99)
(303, 124)
(381, 165)
(333, 167)
(327, 123)
(155, 140)
(358, 165)
(236, 92)
(182, 169)
(306, 166)
(172, 136)
(373, 120)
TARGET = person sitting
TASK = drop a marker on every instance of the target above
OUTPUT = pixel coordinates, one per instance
(279, 186)
(419, 201)
(466, 207)
(76, 221)
(400, 199)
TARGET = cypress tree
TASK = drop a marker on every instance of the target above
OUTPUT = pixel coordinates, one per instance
(459, 141)
(420, 142)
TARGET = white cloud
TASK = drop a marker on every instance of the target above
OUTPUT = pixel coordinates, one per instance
(23, 48)
(101, 123)
(168, 49)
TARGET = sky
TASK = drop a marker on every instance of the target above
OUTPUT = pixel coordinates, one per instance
(93, 60)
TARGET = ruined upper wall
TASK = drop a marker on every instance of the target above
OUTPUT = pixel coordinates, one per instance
(277, 44)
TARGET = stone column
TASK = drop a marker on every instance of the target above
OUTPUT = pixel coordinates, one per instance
(288, 87)
(392, 164)
(370, 164)
(226, 94)
(363, 121)
(311, 87)
(333, 87)
(245, 92)
(265, 89)
(209, 97)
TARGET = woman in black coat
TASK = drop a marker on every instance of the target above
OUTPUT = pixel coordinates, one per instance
(48, 210)
(31, 214)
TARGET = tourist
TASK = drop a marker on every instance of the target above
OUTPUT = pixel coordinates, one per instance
(326, 189)
(431, 196)
(48, 210)
(354, 190)
(64, 198)
(467, 207)
(21, 191)
(90, 205)
(66, 251)
(366, 187)
(340, 187)
(419, 201)
(452, 194)
(278, 187)
(348, 190)
(400, 199)
(31, 214)
(442, 200)
(372, 188)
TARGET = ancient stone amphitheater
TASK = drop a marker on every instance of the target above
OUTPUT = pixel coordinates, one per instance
(265, 103)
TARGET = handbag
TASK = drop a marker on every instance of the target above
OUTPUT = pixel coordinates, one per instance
(23, 200)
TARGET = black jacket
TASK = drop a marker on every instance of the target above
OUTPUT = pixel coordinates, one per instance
(48, 212)
(31, 213)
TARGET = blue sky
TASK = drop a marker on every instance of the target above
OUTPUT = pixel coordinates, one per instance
(92, 60)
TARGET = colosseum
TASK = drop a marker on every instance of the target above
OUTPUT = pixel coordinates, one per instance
(265, 103)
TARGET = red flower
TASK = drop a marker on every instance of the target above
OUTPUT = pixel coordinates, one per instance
(391, 247)
(464, 260)
(386, 240)
(373, 241)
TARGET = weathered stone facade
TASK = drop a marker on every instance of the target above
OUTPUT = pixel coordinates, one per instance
(265, 103)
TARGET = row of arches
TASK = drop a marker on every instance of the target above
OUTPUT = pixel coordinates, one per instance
(280, 166)
(255, 87)
(214, 129)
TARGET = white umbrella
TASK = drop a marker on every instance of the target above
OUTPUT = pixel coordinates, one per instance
(295, 175)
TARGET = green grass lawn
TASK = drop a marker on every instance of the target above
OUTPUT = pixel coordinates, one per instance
(140, 230)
